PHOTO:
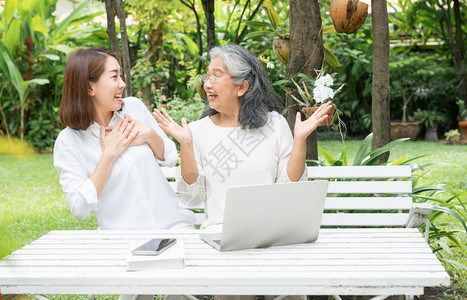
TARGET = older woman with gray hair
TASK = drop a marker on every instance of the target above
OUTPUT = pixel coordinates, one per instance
(242, 139)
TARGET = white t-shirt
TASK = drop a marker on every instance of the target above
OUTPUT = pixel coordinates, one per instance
(136, 195)
(230, 156)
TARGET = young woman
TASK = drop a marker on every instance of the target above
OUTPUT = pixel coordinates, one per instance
(108, 155)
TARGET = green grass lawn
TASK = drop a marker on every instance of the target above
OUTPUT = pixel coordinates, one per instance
(32, 203)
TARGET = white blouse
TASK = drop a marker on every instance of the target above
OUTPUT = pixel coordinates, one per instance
(230, 156)
(136, 195)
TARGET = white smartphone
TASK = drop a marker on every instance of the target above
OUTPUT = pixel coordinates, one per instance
(154, 247)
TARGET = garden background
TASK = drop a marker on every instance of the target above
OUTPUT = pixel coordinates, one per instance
(167, 46)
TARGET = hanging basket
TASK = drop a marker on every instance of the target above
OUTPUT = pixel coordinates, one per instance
(309, 110)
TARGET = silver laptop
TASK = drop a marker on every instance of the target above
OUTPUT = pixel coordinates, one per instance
(258, 216)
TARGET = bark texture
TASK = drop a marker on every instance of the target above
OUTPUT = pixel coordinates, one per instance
(208, 7)
(125, 47)
(380, 84)
(306, 55)
(115, 8)
(458, 54)
(111, 13)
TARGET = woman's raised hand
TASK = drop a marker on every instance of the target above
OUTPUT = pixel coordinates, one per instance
(303, 129)
(181, 133)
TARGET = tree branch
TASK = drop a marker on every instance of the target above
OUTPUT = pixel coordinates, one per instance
(238, 39)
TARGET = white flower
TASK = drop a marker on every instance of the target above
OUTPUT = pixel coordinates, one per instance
(324, 80)
(322, 93)
(269, 65)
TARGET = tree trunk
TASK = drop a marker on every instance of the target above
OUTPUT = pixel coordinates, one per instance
(155, 39)
(306, 55)
(125, 48)
(172, 78)
(208, 7)
(380, 85)
(458, 54)
(110, 11)
(5, 124)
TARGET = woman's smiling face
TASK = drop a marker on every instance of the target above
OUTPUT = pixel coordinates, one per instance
(223, 95)
(108, 90)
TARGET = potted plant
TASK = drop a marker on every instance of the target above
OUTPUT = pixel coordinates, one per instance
(430, 120)
(406, 86)
(463, 119)
(313, 92)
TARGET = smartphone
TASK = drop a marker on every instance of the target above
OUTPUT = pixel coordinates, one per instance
(154, 247)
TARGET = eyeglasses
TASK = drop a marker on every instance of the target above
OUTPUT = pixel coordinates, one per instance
(212, 77)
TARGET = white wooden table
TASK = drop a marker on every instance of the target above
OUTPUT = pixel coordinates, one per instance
(343, 261)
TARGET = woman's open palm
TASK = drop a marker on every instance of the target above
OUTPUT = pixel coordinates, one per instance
(181, 133)
(303, 129)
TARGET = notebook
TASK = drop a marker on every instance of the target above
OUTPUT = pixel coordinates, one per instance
(172, 258)
(264, 215)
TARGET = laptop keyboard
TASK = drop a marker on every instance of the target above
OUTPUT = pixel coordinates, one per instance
(217, 242)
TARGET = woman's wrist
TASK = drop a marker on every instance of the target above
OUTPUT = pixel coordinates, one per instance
(186, 143)
(299, 141)
(109, 157)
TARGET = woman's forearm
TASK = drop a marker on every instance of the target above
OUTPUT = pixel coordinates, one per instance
(189, 169)
(296, 163)
(102, 172)
(156, 143)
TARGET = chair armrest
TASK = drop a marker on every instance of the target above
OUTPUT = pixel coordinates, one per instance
(418, 215)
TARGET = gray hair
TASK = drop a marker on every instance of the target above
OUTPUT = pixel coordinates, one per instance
(260, 97)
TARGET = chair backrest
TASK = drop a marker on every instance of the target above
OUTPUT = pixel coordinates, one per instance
(362, 196)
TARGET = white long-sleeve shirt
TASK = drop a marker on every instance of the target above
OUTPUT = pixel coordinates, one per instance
(136, 195)
(230, 156)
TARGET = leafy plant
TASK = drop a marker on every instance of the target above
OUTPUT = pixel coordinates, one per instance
(33, 56)
(453, 137)
(429, 117)
(445, 200)
(10, 68)
(365, 156)
(315, 91)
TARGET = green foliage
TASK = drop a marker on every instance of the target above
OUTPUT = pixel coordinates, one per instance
(234, 18)
(355, 54)
(191, 109)
(453, 137)
(415, 82)
(429, 117)
(427, 20)
(33, 58)
(442, 236)
(274, 25)
(364, 156)
(428, 26)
